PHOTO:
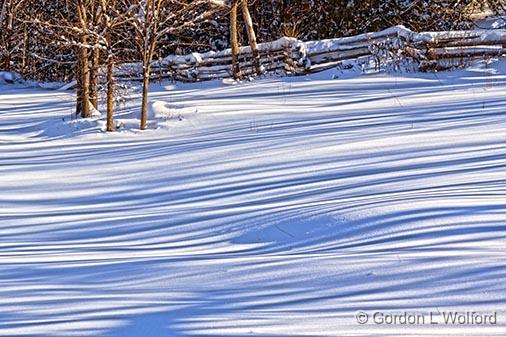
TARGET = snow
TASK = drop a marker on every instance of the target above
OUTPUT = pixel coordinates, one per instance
(9, 77)
(68, 86)
(492, 22)
(277, 207)
(196, 58)
(169, 115)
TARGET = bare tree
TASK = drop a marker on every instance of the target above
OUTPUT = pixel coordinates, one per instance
(153, 21)
(112, 18)
(96, 13)
(234, 40)
(234, 36)
(82, 30)
(251, 35)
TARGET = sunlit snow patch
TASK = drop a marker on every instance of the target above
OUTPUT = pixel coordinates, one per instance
(168, 114)
(294, 231)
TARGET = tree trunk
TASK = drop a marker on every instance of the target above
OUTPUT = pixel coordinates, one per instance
(149, 53)
(145, 92)
(85, 82)
(251, 36)
(84, 62)
(24, 52)
(234, 41)
(8, 62)
(110, 93)
(95, 67)
(3, 33)
(79, 87)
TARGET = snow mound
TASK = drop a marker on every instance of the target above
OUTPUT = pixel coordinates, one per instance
(166, 114)
(10, 77)
(293, 232)
(64, 128)
(230, 81)
(500, 23)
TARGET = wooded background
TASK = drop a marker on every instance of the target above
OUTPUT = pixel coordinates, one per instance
(34, 51)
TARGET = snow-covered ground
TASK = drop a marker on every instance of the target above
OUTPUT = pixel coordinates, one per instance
(279, 207)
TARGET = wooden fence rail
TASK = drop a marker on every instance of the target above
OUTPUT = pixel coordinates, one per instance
(428, 51)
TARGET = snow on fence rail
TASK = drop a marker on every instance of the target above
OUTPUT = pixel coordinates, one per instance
(428, 50)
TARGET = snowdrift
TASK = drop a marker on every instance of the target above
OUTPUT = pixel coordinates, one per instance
(10, 77)
(282, 208)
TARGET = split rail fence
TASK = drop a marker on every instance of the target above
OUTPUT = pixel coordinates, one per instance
(428, 51)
